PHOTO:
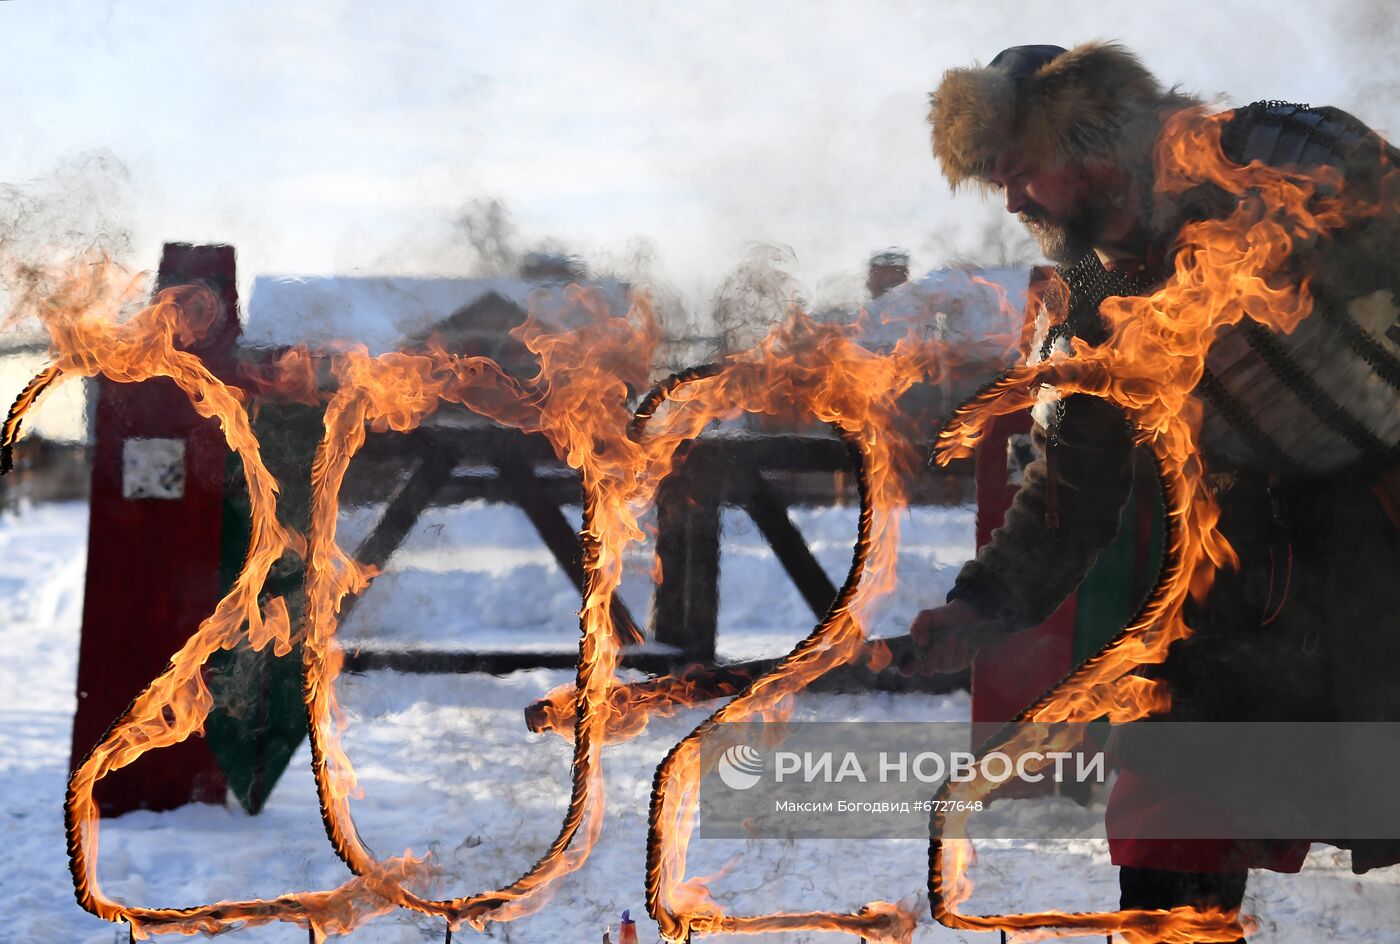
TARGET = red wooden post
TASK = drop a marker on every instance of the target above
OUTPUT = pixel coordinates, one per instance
(158, 480)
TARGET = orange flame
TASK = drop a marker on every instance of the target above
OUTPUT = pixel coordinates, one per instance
(576, 400)
(394, 391)
(819, 370)
(1231, 270)
(79, 309)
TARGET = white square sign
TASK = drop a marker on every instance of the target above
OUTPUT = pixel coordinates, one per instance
(153, 468)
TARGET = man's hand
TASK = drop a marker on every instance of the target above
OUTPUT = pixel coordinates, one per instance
(946, 638)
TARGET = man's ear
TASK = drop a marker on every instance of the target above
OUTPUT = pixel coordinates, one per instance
(1102, 172)
(1110, 179)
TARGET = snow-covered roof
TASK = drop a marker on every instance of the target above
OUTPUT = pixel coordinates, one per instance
(384, 312)
(965, 307)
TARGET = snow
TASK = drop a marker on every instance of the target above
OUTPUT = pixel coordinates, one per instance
(447, 765)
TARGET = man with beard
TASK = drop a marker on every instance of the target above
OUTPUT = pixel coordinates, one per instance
(1300, 434)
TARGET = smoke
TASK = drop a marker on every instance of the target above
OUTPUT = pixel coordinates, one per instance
(839, 295)
(80, 207)
(497, 249)
(996, 239)
(1371, 34)
(492, 236)
(638, 264)
(756, 295)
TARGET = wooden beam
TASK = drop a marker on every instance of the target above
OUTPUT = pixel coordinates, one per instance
(432, 466)
(685, 607)
(531, 495)
(694, 684)
(431, 469)
(807, 462)
(767, 510)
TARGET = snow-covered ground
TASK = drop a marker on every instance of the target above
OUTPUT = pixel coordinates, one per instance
(447, 764)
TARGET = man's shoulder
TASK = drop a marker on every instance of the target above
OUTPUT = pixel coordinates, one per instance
(1284, 134)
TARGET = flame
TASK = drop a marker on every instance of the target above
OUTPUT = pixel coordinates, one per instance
(801, 369)
(1227, 270)
(821, 371)
(395, 391)
(578, 400)
(9, 433)
(635, 704)
(632, 706)
(80, 309)
(1231, 269)
(1010, 314)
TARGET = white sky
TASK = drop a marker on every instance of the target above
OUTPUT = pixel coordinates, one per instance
(336, 137)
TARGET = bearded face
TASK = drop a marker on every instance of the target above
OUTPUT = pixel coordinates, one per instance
(1068, 210)
(1065, 237)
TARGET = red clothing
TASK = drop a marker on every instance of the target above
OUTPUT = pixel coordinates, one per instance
(1140, 807)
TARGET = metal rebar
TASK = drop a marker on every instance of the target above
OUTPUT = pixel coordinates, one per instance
(448, 938)
(861, 551)
(698, 683)
(344, 836)
(1171, 562)
(9, 433)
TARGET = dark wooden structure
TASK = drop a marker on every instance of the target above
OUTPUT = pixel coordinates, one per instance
(455, 460)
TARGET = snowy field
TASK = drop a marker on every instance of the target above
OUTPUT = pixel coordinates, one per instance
(448, 766)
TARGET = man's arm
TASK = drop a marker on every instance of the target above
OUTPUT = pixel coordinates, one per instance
(1029, 567)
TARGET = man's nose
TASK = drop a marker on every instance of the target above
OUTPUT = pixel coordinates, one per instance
(1016, 198)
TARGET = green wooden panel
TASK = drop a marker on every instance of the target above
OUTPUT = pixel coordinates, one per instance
(1116, 585)
(258, 720)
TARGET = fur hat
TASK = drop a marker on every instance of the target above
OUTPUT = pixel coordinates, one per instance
(1054, 105)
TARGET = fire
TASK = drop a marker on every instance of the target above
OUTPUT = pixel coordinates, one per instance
(29, 396)
(80, 309)
(1232, 269)
(395, 391)
(819, 370)
(803, 367)
(1228, 270)
(634, 704)
(1011, 315)
(803, 346)
(579, 400)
